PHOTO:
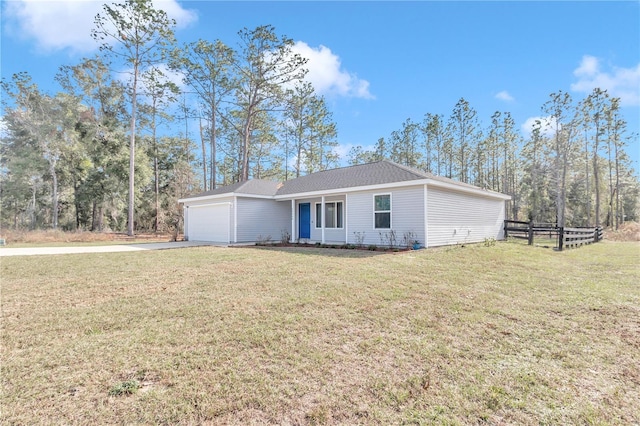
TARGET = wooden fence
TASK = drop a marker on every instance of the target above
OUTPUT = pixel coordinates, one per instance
(565, 237)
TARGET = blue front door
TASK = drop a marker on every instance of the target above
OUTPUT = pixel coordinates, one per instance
(304, 227)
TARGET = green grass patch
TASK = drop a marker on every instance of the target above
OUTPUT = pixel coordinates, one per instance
(128, 387)
(498, 334)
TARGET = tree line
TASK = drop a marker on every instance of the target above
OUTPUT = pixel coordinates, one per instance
(572, 170)
(115, 150)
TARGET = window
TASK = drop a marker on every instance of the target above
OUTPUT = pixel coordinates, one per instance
(382, 211)
(333, 215)
(318, 215)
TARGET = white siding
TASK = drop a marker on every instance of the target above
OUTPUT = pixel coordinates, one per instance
(407, 214)
(261, 218)
(457, 218)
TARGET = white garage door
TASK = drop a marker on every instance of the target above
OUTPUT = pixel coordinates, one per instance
(209, 223)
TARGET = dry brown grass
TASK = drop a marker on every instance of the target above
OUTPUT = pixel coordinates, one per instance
(503, 334)
(56, 237)
(628, 231)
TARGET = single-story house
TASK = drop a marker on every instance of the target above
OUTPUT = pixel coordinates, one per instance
(362, 204)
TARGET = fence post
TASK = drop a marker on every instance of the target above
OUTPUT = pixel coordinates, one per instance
(596, 235)
(505, 229)
(530, 233)
(561, 238)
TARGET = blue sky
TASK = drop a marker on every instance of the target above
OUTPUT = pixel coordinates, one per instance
(379, 63)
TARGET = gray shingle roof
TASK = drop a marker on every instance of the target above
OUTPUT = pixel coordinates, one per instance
(378, 173)
(250, 187)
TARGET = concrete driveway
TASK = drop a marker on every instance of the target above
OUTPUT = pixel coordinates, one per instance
(32, 251)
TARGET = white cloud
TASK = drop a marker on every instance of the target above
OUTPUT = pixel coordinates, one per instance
(57, 25)
(547, 126)
(623, 83)
(505, 96)
(588, 67)
(326, 73)
(183, 17)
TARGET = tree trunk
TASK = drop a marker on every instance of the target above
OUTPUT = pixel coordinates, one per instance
(33, 209)
(212, 140)
(563, 188)
(76, 202)
(560, 164)
(214, 165)
(619, 218)
(610, 218)
(93, 215)
(204, 158)
(54, 195)
(156, 178)
(100, 216)
(587, 193)
(156, 174)
(132, 155)
(597, 185)
(246, 141)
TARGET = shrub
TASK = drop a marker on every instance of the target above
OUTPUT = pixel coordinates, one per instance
(388, 239)
(359, 236)
(408, 238)
(489, 242)
(285, 237)
(260, 240)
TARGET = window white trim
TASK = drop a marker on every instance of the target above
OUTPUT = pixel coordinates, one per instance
(321, 220)
(344, 219)
(322, 230)
(316, 212)
(383, 211)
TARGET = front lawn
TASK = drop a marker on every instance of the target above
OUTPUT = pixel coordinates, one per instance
(502, 334)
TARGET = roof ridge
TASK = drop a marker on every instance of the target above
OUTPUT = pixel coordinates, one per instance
(342, 168)
(409, 168)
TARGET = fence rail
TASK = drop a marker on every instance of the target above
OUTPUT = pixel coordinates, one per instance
(565, 237)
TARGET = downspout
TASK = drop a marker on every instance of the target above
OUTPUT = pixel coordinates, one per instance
(185, 215)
